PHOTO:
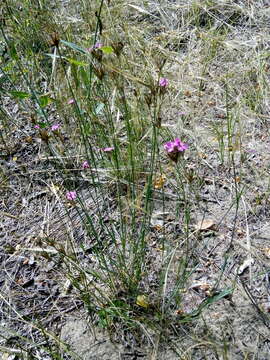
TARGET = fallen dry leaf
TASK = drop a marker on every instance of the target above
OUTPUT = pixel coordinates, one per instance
(142, 301)
(160, 181)
(202, 155)
(28, 139)
(247, 263)
(158, 227)
(266, 252)
(200, 287)
(206, 224)
(187, 93)
(179, 312)
(43, 134)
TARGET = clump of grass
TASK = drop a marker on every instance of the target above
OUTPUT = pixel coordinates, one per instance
(128, 192)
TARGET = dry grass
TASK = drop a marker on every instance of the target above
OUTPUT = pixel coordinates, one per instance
(172, 258)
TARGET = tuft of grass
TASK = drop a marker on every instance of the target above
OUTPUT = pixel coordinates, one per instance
(144, 240)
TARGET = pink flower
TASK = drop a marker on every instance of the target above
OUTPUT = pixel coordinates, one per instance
(71, 195)
(85, 165)
(163, 82)
(174, 148)
(55, 127)
(71, 101)
(37, 126)
(107, 149)
(97, 45)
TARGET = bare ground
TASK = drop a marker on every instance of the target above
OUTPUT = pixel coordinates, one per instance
(32, 202)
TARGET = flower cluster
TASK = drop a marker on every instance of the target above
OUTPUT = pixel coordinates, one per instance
(71, 195)
(163, 82)
(55, 127)
(71, 101)
(174, 148)
(85, 165)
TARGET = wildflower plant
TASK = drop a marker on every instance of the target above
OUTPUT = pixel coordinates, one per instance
(119, 134)
(175, 148)
(129, 249)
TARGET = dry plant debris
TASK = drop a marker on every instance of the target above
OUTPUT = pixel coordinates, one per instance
(135, 178)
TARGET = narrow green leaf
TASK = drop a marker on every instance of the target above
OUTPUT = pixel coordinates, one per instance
(214, 298)
(42, 125)
(107, 49)
(84, 76)
(74, 46)
(13, 52)
(99, 108)
(76, 62)
(3, 78)
(20, 94)
(219, 296)
(54, 56)
(45, 100)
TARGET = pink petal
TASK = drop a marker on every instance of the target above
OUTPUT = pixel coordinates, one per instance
(85, 165)
(163, 82)
(55, 127)
(71, 195)
(169, 146)
(107, 149)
